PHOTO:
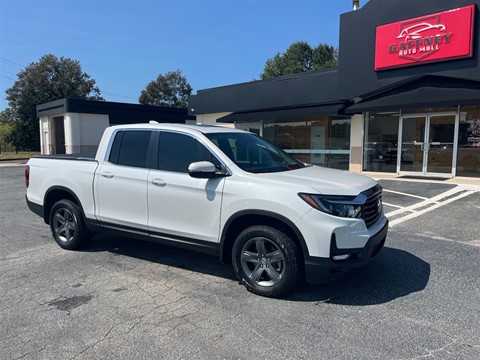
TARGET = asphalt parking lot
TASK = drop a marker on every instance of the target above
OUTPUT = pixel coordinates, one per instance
(132, 300)
(405, 199)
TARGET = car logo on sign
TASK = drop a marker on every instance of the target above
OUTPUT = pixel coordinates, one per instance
(414, 32)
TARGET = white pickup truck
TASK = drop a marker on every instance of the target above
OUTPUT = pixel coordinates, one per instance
(220, 191)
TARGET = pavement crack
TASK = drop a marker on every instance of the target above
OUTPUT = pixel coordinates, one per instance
(95, 343)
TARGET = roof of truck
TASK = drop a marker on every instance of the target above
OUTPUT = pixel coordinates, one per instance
(205, 129)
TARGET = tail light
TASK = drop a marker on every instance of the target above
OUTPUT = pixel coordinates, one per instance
(27, 176)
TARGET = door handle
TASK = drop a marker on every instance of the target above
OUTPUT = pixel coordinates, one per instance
(158, 182)
(107, 175)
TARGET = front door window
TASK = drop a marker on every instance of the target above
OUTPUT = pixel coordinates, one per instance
(412, 151)
(427, 144)
(440, 144)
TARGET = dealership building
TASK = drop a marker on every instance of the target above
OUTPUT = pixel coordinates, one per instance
(404, 99)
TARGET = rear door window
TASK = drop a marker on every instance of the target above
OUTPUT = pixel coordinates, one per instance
(131, 148)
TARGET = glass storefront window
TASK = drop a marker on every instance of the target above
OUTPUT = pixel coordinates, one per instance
(323, 141)
(381, 142)
(253, 127)
(429, 110)
(468, 156)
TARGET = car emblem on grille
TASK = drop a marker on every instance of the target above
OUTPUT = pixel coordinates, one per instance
(379, 205)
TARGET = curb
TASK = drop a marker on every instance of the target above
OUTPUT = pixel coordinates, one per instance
(13, 162)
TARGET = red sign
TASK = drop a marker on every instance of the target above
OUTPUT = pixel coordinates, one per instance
(443, 36)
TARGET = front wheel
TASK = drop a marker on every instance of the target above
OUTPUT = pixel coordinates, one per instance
(266, 261)
(67, 225)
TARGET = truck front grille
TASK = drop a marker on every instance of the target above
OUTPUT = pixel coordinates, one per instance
(372, 209)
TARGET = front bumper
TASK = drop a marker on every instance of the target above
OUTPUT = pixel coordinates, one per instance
(320, 270)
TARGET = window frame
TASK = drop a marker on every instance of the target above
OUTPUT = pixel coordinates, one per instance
(114, 151)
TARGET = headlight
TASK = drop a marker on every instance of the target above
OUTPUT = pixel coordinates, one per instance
(342, 206)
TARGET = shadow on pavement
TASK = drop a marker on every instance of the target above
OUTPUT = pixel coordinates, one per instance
(393, 274)
(161, 254)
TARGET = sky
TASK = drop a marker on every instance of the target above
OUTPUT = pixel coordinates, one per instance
(125, 44)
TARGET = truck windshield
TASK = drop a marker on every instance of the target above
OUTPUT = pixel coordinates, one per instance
(253, 153)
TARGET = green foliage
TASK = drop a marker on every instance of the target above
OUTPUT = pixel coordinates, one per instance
(170, 90)
(324, 56)
(6, 128)
(49, 79)
(300, 57)
(7, 116)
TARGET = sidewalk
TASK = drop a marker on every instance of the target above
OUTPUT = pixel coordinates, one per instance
(470, 183)
(13, 163)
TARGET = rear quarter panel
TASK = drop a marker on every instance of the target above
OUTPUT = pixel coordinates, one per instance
(75, 175)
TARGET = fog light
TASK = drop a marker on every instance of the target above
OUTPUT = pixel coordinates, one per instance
(341, 257)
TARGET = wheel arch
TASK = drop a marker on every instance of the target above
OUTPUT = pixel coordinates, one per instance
(243, 219)
(56, 193)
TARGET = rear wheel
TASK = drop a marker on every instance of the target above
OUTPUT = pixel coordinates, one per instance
(266, 261)
(67, 225)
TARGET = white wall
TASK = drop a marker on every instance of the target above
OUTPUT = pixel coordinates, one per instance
(83, 132)
(92, 127)
(211, 119)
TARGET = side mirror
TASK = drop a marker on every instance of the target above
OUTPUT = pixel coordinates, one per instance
(203, 170)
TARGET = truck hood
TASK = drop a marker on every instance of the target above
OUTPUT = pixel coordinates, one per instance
(324, 180)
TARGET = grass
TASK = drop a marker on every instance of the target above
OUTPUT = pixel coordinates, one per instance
(14, 156)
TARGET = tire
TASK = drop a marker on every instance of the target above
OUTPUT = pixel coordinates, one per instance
(67, 225)
(266, 261)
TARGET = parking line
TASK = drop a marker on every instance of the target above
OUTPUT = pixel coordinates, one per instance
(427, 201)
(405, 194)
(435, 203)
(475, 243)
(392, 205)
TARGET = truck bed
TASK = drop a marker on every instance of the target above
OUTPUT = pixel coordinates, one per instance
(78, 157)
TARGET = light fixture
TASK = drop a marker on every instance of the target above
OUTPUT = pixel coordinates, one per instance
(341, 257)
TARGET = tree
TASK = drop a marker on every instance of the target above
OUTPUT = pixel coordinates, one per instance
(7, 116)
(324, 56)
(49, 79)
(170, 90)
(6, 128)
(300, 57)
(5, 131)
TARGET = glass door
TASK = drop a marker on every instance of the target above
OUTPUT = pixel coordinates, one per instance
(427, 144)
(412, 145)
(441, 135)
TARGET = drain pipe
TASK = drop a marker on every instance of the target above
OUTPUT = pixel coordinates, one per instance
(356, 4)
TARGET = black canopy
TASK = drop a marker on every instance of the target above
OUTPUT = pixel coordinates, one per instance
(423, 91)
(285, 113)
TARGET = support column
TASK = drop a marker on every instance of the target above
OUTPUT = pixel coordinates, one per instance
(42, 136)
(356, 143)
(72, 133)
